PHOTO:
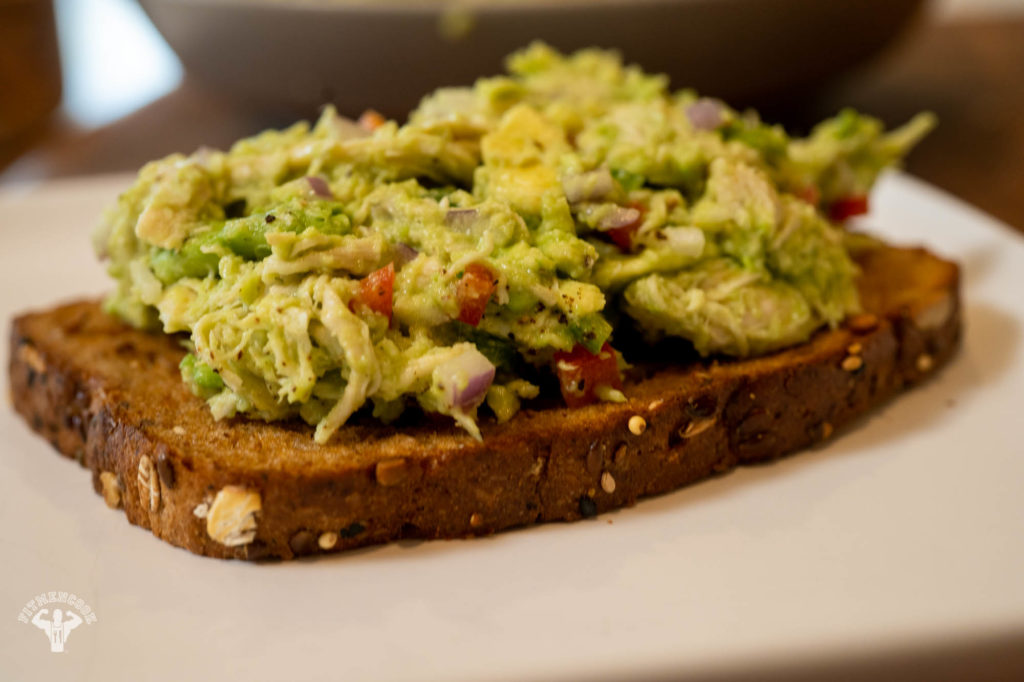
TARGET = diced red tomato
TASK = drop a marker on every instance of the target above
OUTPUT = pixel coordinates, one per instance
(810, 194)
(623, 236)
(371, 120)
(473, 291)
(580, 372)
(847, 207)
(377, 290)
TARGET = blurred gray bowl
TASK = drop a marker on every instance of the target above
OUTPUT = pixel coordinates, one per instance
(385, 54)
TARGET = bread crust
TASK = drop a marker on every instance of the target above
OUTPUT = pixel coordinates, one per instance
(111, 397)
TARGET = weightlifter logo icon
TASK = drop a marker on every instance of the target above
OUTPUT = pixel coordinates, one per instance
(44, 611)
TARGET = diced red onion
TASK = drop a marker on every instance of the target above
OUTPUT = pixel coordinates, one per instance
(465, 378)
(620, 216)
(319, 186)
(590, 186)
(705, 114)
(460, 219)
(404, 254)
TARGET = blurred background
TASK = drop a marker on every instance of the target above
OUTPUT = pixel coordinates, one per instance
(92, 86)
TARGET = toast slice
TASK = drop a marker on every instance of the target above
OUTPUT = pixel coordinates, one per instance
(112, 398)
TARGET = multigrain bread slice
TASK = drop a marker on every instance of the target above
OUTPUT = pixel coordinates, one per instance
(112, 398)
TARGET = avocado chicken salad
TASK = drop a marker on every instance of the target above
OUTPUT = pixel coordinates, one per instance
(507, 230)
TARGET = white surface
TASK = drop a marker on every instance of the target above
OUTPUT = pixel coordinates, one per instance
(903, 532)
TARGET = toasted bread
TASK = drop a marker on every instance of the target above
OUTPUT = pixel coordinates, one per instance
(111, 397)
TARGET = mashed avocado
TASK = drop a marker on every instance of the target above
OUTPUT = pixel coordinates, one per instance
(493, 238)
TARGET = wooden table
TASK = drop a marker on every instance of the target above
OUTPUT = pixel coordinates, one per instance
(970, 73)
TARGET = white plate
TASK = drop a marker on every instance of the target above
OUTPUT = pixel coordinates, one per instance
(902, 538)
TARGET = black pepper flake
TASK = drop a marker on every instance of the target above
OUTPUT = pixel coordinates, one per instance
(588, 507)
(352, 531)
(270, 218)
